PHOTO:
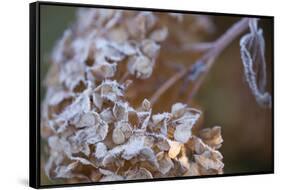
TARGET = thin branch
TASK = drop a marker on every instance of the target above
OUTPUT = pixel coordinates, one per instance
(219, 45)
(208, 58)
(197, 47)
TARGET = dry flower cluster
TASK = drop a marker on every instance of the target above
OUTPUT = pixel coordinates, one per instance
(93, 132)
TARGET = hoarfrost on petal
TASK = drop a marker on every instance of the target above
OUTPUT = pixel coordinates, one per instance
(120, 111)
(140, 66)
(103, 71)
(182, 133)
(88, 119)
(118, 136)
(101, 150)
(107, 115)
(178, 109)
(65, 171)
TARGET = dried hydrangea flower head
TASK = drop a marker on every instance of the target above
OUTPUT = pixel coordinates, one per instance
(94, 134)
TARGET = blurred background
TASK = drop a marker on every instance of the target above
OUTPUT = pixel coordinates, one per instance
(224, 97)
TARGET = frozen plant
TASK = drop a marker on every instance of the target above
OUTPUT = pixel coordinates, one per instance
(93, 132)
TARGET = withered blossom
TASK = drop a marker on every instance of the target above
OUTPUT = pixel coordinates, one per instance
(94, 134)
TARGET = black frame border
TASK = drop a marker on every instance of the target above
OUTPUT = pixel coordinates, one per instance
(34, 94)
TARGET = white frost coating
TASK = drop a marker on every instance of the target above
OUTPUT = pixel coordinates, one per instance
(110, 90)
(120, 111)
(182, 133)
(58, 97)
(104, 70)
(101, 150)
(141, 66)
(81, 105)
(178, 109)
(133, 147)
(118, 136)
(88, 119)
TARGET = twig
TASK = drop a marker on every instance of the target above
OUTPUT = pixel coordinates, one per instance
(219, 45)
(197, 47)
(208, 58)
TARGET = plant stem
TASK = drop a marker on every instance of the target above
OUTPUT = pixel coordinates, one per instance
(208, 58)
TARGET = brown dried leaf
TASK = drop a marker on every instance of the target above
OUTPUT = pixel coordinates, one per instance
(141, 173)
(212, 137)
(165, 164)
(209, 160)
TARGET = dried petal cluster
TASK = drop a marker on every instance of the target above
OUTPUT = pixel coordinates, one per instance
(94, 134)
